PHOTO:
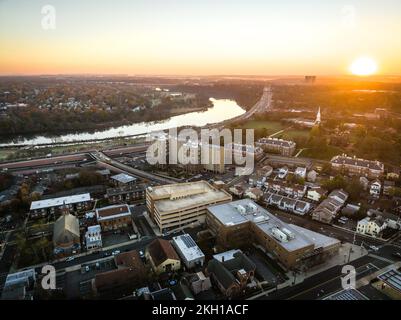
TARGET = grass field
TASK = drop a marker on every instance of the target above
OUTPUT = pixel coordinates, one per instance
(327, 154)
(291, 134)
(273, 126)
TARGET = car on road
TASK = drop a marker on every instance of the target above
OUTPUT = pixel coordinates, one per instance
(114, 253)
(87, 269)
(396, 254)
(374, 248)
(106, 254)
(69, 259)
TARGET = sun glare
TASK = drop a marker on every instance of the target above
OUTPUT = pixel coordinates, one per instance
(363, 66)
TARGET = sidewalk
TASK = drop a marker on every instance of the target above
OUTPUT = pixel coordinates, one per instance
(344, 255)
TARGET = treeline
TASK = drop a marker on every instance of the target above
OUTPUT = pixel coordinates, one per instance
(33, 121)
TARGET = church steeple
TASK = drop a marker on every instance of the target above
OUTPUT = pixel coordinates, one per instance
(318, 119)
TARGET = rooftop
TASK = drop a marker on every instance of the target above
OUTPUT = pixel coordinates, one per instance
(112, 211)
(55, 202)
(123, 178)
(344, 159)
(245, 210)
(175, 197)
(188, 247)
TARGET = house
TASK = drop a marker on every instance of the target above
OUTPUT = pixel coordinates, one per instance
(256, 180)
(162, 256)
(130, 273)
(254, 194)
(93, 237)
(311, 176)
(328, 209)
(114, 217)
(316, 193)
(364, 182)
(66, 236)
(393, 221)
(232, 275)
(282, 172)
(300, 172)
(350, 209)
(388, 187)
(123, 179)
(238, 190)
(371, 225)
(199, 282)
(287, 204)
(375, 188)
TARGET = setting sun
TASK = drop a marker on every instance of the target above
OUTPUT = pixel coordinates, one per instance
(363, 66)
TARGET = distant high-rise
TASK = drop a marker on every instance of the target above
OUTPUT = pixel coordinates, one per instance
(310, 79)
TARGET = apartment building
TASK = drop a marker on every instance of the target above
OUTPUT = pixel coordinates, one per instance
(75, 203)
(274, 145)
(243, 222)
(356, 166)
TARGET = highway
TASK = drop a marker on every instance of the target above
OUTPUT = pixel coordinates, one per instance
(108, 163)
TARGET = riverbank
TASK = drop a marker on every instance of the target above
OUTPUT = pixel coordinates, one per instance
(221, 110)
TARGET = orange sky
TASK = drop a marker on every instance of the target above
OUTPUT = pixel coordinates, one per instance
(194, 37)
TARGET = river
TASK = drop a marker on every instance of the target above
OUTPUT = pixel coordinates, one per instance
(223, 109)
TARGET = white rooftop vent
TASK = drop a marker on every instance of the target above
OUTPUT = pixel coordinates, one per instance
(279, 235)
(251, 207)
(241, 209)
(289, 233)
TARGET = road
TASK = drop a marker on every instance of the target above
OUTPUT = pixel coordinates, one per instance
(325, 283)
(108, 163)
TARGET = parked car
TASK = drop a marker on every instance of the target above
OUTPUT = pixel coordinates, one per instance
(69, 259)
(374, 248)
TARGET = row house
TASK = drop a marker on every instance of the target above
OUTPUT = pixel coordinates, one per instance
(287, 204)
(126, 194)
(328, 209)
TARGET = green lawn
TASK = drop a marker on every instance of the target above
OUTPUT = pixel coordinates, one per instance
(291, 134)
(327, 154)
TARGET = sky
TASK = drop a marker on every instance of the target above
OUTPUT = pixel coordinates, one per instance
(204, 37)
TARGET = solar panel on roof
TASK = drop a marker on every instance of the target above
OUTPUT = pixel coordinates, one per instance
(189, 242)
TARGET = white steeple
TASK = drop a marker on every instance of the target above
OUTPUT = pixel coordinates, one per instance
(317, 121)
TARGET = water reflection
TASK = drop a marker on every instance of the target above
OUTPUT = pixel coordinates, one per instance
(222, 109)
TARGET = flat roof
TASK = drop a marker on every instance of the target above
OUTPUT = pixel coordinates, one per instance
(123, 178)
(175, 197)
(392, 278)
(320, 240)
(227, 255)
(230, 215)
(54, 202)
(348, 294)
(187, 247)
